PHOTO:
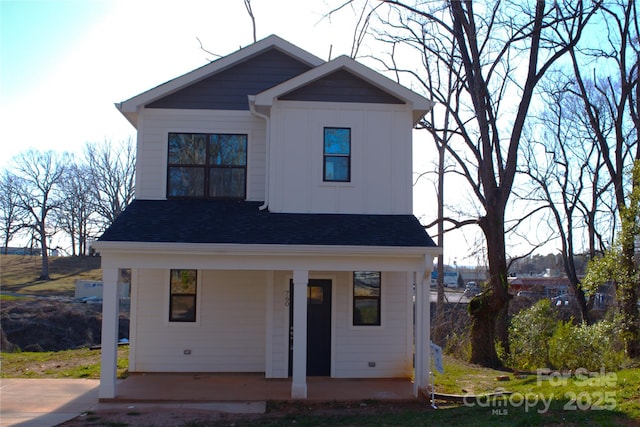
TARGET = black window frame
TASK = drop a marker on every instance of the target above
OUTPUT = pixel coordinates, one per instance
(326, 156)
(173, 296)
(357, 320)
(207, 167)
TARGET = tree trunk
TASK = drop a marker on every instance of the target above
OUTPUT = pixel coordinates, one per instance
(489, 309)
(44, 274)
(628, 299)
(483, 349)
(439, 331)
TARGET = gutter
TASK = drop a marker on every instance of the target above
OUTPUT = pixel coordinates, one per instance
(252, 108)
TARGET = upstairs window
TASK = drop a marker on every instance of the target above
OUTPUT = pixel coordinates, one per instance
(366, 298)
(207, 165)
(337, 154)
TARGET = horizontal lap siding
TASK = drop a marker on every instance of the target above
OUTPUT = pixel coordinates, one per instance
(229, 336)
(341, 86)
(229, 89)
(353, 347)
(280, 334)
(153, 145)
(386, 345)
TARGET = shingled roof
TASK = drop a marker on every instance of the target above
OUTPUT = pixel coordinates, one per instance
(235, 222)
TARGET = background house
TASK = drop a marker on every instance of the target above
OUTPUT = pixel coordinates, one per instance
(272, 229)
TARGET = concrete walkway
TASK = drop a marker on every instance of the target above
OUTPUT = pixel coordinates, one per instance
(49, 402)
(45, 402)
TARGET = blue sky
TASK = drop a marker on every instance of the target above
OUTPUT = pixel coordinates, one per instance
(35, 34)
(64, 63)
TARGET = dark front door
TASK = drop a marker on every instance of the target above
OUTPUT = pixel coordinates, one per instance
(318, 328)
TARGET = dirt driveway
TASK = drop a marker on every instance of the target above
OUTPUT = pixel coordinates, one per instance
(164, 416)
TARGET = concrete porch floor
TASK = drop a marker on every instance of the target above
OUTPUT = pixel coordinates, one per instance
(157, 387)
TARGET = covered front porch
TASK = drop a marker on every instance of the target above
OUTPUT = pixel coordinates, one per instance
(229, 267)
(206, 387)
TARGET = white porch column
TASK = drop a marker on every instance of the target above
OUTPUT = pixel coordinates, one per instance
(421, 333)
(299, 382)
(109, 344)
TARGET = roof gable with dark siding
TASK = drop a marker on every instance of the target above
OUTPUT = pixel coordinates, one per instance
(341, 86)
(228, 89)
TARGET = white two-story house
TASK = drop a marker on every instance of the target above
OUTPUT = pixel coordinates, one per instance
(272, 230)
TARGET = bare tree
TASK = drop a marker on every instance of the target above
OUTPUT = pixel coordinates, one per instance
(75, 213)
(11, 217)
(39, 178)
(111, 169)
(611, 71)
(247, 5)
(438, 80)
(565, 163)
(497, 54)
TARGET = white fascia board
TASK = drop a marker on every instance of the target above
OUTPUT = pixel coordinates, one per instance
(419, 104)
(132, 117)
(129, 108)
(261, 249)
(263, 257)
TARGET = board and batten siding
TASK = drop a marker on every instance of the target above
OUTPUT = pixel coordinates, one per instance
(155, 126)
(229, 335)
(380, 158)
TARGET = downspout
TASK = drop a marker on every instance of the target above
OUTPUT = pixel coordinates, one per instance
(252, 108)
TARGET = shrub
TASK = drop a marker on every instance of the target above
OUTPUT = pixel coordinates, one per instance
(529, 335)
(539, 340)
(586, 346)
(458, 345)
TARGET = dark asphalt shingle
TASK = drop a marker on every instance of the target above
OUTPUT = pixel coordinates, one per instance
(214, 221)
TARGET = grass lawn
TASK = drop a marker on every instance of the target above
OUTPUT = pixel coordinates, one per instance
(82, 363)
(596, 399)
(545, 398)
(20, 274)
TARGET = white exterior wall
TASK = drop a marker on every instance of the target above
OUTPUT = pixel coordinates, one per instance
(155, 125)
(353, 347)
(228, 336)
(380, 155)
(280, 331)
(387, 346)
(380, 158)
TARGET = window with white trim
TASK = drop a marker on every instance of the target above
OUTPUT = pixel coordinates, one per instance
(204, 165)
(183, 292)
(366, 298)
(337, 154)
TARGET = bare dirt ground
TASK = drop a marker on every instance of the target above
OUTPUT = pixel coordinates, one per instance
(278, 413)
(48, 324)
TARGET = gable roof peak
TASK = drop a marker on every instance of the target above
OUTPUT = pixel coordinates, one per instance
(130, 107)
(419, 104)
